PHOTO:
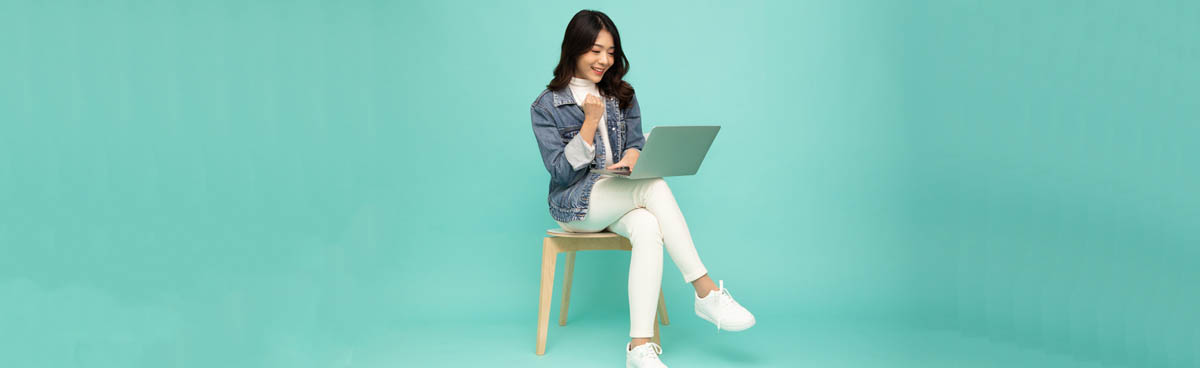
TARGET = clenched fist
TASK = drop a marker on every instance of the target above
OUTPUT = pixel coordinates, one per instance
(593, 107)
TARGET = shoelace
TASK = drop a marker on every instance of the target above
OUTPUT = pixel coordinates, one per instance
(724, 298)
(653, 351)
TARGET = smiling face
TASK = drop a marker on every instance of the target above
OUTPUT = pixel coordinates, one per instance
(594, 62)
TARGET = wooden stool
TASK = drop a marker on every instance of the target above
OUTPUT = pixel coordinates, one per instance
(563, 241)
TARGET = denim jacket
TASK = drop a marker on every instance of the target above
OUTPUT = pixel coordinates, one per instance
(557, 119)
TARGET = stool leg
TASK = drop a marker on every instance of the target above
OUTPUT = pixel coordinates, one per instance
(566, 298)
(662, 309)
(549, 256)
(656, 339)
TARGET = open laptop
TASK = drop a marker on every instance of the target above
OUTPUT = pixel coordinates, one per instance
(670, 151)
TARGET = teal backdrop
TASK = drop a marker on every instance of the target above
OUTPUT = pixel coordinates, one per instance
(356, 183)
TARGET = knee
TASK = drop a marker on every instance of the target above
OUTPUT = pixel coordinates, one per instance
(657, 183)
(657, 186)
(644, 227)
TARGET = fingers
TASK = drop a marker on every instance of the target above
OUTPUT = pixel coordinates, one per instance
(593, 105)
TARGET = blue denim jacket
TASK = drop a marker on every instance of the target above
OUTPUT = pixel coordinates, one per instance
(556, 119)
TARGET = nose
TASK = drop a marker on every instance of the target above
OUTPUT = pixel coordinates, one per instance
(604, 59)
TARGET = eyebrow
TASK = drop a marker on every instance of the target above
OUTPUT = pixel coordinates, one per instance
(602, 46)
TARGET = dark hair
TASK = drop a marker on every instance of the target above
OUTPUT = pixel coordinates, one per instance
(579, 38)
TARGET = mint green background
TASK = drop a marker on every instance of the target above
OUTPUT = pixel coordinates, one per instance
(351, 183)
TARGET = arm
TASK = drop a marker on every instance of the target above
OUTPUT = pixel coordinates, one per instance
(562, 172)
(633, 127)
(593, 109)
(634, 140)
(579, 153)
(580, 150)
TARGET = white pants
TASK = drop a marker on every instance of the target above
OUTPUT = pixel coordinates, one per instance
(644, 211)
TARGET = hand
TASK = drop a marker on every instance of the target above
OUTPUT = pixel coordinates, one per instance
(629, 160)
(593, 107)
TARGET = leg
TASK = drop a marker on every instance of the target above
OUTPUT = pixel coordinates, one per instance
(657, 339)
(662, 309)
(704, 285)
(645, 269)
(655, 196)
(549, 257)
(566, 297)
(612, 198)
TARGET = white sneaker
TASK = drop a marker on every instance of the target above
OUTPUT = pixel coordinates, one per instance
(643, 356)
(719, 308)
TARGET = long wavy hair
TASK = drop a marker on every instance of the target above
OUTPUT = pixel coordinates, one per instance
(579, 38)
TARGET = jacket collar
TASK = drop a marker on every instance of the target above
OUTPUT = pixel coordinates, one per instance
(563, 97)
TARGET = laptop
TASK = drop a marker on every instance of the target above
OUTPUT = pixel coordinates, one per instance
(670, 151)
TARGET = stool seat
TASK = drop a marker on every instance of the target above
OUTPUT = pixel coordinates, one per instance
(562, 241)
(571, 234)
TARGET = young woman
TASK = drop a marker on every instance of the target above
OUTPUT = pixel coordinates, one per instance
(589, 118)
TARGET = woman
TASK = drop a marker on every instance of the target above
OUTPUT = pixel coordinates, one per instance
(588, 118)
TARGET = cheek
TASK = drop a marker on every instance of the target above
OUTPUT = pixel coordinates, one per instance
(586, 62)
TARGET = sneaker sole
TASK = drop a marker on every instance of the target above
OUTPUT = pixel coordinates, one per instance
(727, 327)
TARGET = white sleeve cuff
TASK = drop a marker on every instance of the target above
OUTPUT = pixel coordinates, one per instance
(579, 153)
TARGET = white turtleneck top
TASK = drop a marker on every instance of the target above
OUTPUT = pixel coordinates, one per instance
(578, 152)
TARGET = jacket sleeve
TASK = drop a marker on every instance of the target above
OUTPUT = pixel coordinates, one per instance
(553, 149)
(579, 153)
(633, 126)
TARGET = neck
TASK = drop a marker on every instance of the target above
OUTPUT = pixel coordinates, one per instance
(581, 82)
